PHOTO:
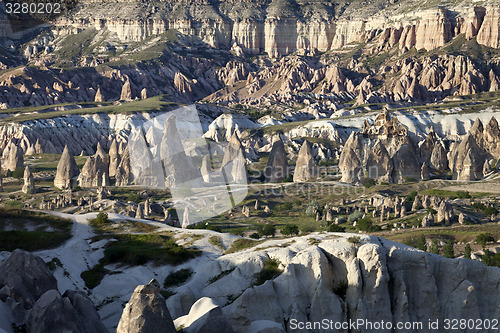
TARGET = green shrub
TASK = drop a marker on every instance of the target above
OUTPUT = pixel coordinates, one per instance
(177, 278)
(484, 238)
(354, 216)
(268, 272)
(434, 248)
(336, 228)
(486, 210)
(215, 240)
(448, 251)
(254, 235)
(290, 229)
(368, 182)
(491, 259)
(94, 276)
(356, 240)
(365, 224)
(467, 251)
(267, 229)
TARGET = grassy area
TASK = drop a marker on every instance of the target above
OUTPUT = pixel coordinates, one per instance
(269, 271)
(34, 113)
(454, 194)
(32, 231)
(160, 249)
(241, 244)
(94, 276)
(177, 278)
(101, 224)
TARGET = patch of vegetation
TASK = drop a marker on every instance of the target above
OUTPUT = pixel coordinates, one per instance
(94, 276)
(417, 242)
(491, 259)
(290, 230)
(269, 271)
(355, 240)
(341, 289)
(133, 249)
(216, 241)
(220, 276)
(50, 232)
(448, 251)
(267, 229)
(365, 224)
(205, 226)
(177, 278)
(484, 238)
(241, 244)
(336, 228)
(448, 194)
(368, 182)
(354, 216)
(53, 264)
(486, 210)
(167, 293)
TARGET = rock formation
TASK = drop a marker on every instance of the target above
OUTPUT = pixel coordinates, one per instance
(67, 170)
(233, 164)
(206, 169)
(277, 165)
(128, 92)
(15, 159)
(384, 149)
(305, 167)
(25, 278)
(204, 316)
(146, 311)
(71, 312)
(179, 169)
(94, 173)
(29, 181)
(1, 179)
(114, 158)
(123, 175)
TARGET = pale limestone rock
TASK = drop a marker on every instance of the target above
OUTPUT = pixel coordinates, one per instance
(114, 158)
(29, 181)
(98, 96)
(67, 170)
(123, 175)
(204, 316)
(305, 167)
(15, 159)
(127, 93)
(233, 164)
(94, 173)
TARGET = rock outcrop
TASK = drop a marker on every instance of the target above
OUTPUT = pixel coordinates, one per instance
(204, 316)
(94, 173)
(123, 174)
(179, 169)
(71, 312)
(25, 278)
(29, 182)
(67, 171)
(146, 311)
(114, 158)
(233, 166)
(15, 159)
(305, 167)
(277, 164)
(384, 150)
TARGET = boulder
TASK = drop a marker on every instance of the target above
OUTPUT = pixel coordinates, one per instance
(67, 170)
(73, 312)
(25, 277)
(204, 316)
(146, 312)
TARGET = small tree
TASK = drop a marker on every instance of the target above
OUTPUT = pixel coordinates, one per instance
(421, 243)
(467, 251)
(448, 251)
(482, 239)
(290, 229)
(434, 248)
(267, 230)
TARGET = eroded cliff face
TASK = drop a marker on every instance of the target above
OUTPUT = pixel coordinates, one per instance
(383, 280)
(279, 27)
